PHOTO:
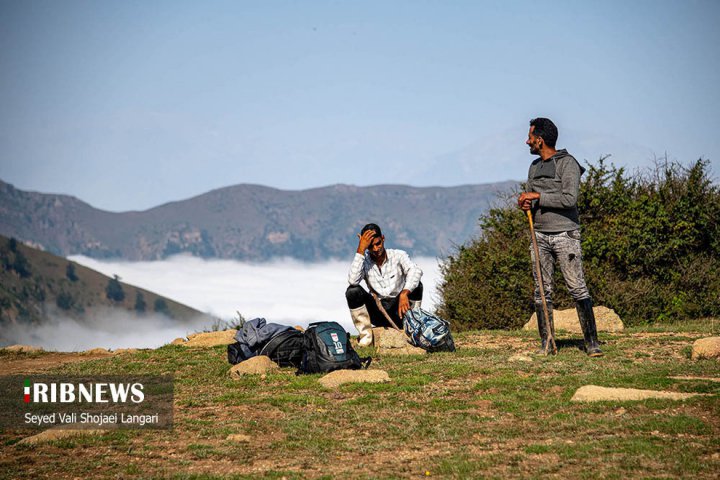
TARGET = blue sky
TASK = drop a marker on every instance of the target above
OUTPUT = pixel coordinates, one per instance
(130, 104)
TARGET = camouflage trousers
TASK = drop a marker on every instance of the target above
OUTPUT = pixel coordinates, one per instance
(562, 248)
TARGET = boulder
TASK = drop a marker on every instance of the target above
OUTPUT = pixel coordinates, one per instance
(406, 350)
(708, 347)
(339, 377)
(605, 318)
(593, 393)
(211, 339)
(389, 341)
(259, 365)
(96, 351)
(23, 349)
(389, 338)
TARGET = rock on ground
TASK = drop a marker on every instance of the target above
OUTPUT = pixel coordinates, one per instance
(259, 365)
(389, 338)
(593, 393)
(407, 350)
(23, 349)
(96, 351)
(57, 433)
(706, 348)
(121, 351)
(520, 358)
(210, 339)
(239, 437)
(339, 377)
(605, 318)
(389, 341)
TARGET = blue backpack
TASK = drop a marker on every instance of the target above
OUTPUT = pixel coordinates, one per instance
(428, 332)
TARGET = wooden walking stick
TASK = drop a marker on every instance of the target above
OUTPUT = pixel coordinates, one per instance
(551, 338)
(383, 311)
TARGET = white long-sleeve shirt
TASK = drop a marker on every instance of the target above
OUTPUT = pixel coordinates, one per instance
(398, 273)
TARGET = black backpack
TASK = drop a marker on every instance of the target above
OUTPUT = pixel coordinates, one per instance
(327, 348)
(235, 354)
(286, 348)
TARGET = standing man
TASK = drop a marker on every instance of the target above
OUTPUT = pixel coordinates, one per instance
(552, 191)
(390, 275)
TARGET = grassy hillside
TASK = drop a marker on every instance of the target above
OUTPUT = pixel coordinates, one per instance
(474, 413)
(35, 285)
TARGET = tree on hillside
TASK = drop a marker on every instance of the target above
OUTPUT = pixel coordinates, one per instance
(140, 305)
(65, 301)
(114, 290)
(14, 260)
(160, 306)
(70, 272)
(5, 259)
(21, 265)
(651, 251)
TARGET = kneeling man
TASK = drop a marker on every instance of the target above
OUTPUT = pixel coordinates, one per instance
(390, 275)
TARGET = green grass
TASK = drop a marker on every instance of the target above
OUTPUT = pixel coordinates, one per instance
(468, 414)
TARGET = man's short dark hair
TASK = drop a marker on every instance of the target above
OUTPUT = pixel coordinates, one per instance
(546, 129)
(374, 228)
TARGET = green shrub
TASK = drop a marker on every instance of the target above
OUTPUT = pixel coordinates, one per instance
(651, 250)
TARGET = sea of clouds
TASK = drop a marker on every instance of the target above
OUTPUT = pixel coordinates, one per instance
(284, 291)
(104, 327)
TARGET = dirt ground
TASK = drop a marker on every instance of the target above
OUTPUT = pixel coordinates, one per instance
(19, 364)
(473, 414)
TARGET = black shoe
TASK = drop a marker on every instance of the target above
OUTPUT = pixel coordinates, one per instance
(587, 323)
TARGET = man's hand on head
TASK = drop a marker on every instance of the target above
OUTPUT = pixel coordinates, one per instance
(365, 241)
(525, 199)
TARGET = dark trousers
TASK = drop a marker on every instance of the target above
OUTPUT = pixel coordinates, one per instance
(357, 296)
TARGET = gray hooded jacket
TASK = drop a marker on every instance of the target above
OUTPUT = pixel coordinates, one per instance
(557, 180)
(255, 334)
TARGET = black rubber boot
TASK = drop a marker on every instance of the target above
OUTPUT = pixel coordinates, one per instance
(544, 337)
(587, 322)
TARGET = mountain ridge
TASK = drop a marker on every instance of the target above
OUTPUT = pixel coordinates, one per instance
(251, 221)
